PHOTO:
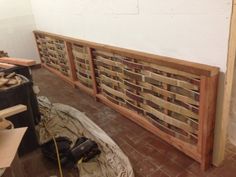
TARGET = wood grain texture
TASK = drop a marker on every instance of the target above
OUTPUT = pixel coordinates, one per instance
(71, 60)
(222, 133)
(6, 65)
(18, 61)
(193, 68)
(12, 111)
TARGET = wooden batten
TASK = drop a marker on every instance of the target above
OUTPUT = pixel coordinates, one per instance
(18, 61)
(6, 65)
(71, 61)
(193, 68)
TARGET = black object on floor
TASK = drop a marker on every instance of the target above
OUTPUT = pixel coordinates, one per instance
(84, 149)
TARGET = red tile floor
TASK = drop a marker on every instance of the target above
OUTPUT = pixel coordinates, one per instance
(150, 156)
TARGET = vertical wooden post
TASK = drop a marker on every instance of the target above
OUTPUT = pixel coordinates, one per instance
(40, 57)
(92, 69)
(71, 60)
(221, 135)
(208, 92)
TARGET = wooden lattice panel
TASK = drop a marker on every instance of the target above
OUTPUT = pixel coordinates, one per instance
(172, 98)
(82, 65)
(53, 53)
(168, 98)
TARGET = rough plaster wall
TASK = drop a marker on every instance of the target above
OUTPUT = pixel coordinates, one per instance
(195, 30)
(16, 25)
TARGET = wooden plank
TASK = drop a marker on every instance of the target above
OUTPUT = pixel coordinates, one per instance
(111, 81)
(114, 92)
(171, 71)
(187, 148)
(171, 81)
(84, 80)
(110, 72)
(6, 66)
(170, 106)
(109, 62)
(38, 48)
(168, 119)
(91, 66)
(18, 61)
(202, 110)
(71, 60)
(169, 94)
(221, 134)
(186, 66)
(81, 55)
(8, 112)
(208, 122)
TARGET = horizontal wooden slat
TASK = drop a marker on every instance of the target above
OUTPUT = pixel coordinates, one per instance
(12, 111)
(114, 92)
(111, 81)
(169, 94)
(170, 81)
(18, 61)
(109, 62)
(168, 119)
(170, 106)
(171, 71)
(186, 66)
(80, 55)
(84, 79)
(6, 65)
(110, 72)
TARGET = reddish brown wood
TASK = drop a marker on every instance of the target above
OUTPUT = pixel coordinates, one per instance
(191, 67)
(208, 122)
(71, 60)
(91, 64)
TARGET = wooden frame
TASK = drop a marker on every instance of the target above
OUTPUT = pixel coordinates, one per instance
(175, 99)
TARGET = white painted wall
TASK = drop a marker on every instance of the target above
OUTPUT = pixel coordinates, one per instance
(16, 26)
(194, 30)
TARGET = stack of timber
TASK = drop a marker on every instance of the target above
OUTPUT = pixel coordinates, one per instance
(174, 99)
(9, 80)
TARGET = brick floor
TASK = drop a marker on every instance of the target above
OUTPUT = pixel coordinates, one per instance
(150, 156)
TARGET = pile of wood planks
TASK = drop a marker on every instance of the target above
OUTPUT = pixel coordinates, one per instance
(9, 80)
